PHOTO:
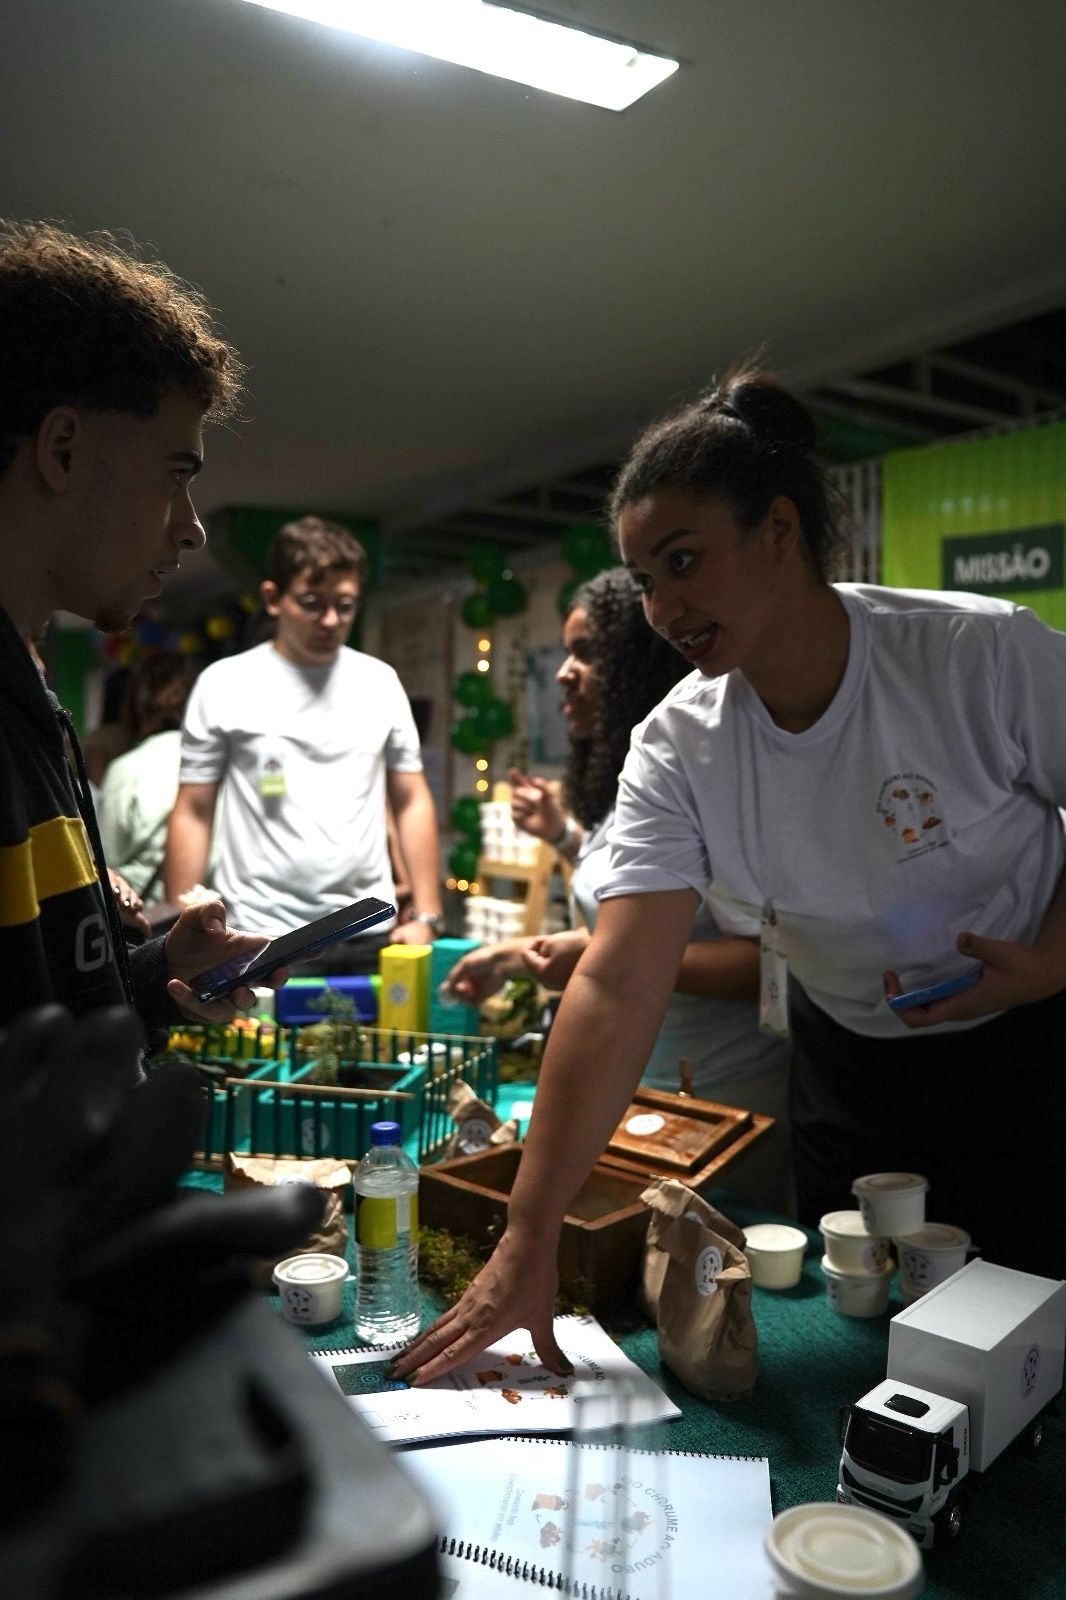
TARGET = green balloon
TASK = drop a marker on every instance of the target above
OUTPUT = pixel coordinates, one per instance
(587, 548)
(494, 720)
(565, 598)
(467, 736)
(472, 689)
(506, 596)
(462, 863)
(485, 561)
(476, 611)
(466, 815)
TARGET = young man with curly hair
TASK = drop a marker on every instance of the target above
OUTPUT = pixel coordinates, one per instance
(111, 366)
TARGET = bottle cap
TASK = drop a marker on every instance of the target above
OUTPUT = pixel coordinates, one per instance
(384, 1133)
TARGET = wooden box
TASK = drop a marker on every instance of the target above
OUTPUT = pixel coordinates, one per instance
(661, 1135)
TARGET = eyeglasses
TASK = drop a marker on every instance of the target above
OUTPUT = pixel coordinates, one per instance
(316, 605)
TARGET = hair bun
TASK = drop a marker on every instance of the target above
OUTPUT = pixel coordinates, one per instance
(772, 414)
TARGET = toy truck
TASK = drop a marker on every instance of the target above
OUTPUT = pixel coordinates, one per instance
(972, 1365)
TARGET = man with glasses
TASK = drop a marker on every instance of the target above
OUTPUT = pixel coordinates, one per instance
(306, 740)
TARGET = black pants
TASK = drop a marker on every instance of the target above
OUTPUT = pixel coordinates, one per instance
(982, 1113)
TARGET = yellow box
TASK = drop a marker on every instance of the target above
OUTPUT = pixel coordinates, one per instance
(404, 999)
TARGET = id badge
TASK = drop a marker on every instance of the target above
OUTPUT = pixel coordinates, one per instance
(773, 977)
(271, 782)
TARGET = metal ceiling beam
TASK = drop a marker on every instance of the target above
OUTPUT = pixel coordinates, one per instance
(919, 432)
(887, 394)
(1036, 397)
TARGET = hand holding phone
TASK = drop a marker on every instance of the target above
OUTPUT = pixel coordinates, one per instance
(289, 947)
(935, 991)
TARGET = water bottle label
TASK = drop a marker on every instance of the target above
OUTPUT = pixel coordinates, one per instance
(383, 1221)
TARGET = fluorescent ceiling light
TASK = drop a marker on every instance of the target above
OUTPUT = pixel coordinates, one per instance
(493, 38)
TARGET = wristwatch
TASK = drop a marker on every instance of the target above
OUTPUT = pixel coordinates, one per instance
(433, 919)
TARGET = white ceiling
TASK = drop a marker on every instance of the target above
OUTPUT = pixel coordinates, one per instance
(444, 284)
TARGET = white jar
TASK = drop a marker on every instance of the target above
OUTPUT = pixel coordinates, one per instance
(891, 1202)
(311, 1288)
(857, 1294)
(849, 1245)
(930, 1254)
(831, 1552)
(775, 1254)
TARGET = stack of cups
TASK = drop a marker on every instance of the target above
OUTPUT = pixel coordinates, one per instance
(826, 1552)
(856, 1265)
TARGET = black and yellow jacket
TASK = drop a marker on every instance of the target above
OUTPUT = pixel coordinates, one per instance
(60, 939)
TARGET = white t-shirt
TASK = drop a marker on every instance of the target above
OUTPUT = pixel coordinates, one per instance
(921, 804)
(721, 1038)
(301, 753)
(136, 799)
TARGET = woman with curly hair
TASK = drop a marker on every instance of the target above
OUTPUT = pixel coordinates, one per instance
(615, 672)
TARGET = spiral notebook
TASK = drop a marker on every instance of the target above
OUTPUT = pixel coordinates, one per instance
(505, 1389)
(596, 1521)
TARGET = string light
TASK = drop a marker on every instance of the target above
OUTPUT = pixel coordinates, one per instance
(481, 785)
(484, 644)
(449, 883)
(484, 665)
(462, 885)
(481, 764)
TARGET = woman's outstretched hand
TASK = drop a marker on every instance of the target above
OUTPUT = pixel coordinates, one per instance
(534, 807)
(515, 1289)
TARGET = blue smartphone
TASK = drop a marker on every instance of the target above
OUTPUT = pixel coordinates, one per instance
(935, 991)
(289, 947)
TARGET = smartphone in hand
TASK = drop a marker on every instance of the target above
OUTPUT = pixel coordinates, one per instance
(935, 991)
(289, 947)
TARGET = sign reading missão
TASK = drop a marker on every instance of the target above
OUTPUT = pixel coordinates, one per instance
(1004, 563)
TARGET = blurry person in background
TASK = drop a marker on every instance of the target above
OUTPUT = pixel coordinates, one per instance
(615, 672)
(304, 739)
(140, 787)
(110, 738)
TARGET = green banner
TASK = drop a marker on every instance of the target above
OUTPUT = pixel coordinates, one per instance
(987, 516)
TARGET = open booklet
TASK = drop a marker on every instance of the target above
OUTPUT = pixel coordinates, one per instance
(503, 1390)
(597, 1521)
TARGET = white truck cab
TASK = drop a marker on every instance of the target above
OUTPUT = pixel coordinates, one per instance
(906, 1450)
(971, 1367)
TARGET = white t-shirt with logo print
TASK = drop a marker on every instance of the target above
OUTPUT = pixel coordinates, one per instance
(922, 803)
(301, 754)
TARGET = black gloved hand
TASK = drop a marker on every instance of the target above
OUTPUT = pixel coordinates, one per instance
(97, 1250)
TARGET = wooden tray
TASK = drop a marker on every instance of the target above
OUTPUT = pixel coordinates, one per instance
(676, 1134)
(602, 1236)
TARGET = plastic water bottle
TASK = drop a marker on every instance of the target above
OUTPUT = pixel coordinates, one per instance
(386, 1234)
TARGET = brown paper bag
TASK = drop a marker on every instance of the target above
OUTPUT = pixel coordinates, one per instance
(696, 1284)
(331, 1236)
(477, 1127)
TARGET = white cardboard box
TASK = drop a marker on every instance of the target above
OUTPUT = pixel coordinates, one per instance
(988, 1336)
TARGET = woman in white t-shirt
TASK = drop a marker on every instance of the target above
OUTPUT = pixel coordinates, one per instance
(879, 771)
(615, 671)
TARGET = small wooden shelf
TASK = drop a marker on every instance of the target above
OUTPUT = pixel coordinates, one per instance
(535, 874)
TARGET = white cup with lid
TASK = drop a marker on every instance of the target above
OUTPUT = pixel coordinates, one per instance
(930, 1254)
(775, 1254)
(850, 1246)
(891, 1203)
(857, 1294)
(311, 1287)
(832, 1552)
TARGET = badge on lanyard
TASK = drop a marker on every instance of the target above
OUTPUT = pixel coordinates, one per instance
(773, 976)
(271, 773)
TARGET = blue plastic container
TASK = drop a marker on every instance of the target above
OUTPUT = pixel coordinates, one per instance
(303, 999)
